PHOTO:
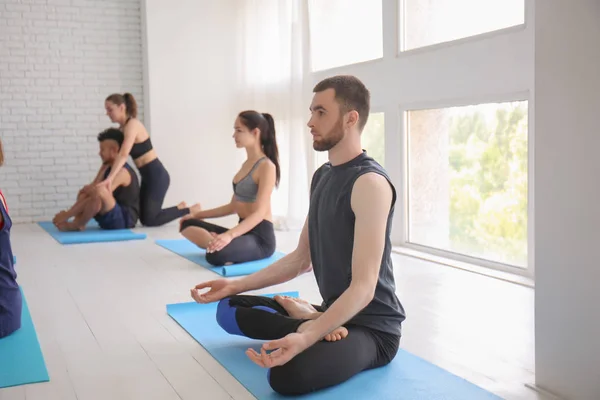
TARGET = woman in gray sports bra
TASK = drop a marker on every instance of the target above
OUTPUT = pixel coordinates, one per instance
(253, 238)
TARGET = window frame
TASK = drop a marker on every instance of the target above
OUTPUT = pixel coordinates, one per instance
(400, 22)
(404, 133)
(518, 85)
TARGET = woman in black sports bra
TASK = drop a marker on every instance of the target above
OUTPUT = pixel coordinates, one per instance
(253, 238)
(122, 109)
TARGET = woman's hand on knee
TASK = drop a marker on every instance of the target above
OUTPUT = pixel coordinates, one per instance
(218, 242)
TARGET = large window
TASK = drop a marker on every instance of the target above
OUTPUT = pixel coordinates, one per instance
(372, 140)
(344, 32)
(373, 137)
(428, 22)
(467, 180)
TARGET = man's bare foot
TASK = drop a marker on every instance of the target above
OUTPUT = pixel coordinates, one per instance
(335, 335)
(297, 308)
(182, 205)
(69, 227)
(196, 208)
(59, 218)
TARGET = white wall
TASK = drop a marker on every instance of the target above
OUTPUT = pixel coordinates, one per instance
(58, 62)
(567, 191)
(191, 53)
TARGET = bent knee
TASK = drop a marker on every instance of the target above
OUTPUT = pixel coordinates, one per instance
(226, 317)
(188, 223)
(149, 221)
(101, 191)
(217, 259)
(289, 380)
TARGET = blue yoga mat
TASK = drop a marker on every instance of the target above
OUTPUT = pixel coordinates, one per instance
(190, 251)
(21, 358)
(92, 234)
(406, 377)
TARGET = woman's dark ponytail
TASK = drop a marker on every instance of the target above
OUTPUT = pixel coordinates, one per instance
(269, 143)
(265, 123)
(128, 100)
(130, 105)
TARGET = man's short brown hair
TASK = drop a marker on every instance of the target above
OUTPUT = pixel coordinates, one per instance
(350, 93)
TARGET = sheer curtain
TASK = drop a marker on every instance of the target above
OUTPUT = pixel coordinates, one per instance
(271, 64)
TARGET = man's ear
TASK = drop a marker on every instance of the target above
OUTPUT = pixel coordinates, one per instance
(352, 118)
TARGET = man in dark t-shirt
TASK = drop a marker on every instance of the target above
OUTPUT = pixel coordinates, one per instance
(346, 242)
(117, 209)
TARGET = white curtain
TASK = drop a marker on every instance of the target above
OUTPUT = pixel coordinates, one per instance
(271, 65)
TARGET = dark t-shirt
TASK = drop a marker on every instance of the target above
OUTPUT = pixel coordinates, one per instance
(331, 237)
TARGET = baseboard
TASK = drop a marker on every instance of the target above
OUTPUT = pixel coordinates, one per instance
(547, 394)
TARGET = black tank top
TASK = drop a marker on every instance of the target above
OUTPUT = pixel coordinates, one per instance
(331, 238)
(128, 197)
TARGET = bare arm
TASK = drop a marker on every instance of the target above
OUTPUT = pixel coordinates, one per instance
(122, 179)
(371, 202)
(266, 183)
(221, 211)
(89, 187)
(285, 269)
(130, 134)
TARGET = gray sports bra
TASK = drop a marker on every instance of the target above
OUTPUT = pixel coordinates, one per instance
(246, 189)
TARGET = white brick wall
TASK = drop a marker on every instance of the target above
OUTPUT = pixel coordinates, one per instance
(59, 60)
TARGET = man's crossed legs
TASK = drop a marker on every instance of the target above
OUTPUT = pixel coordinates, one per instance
(91, 202)
(342, 354)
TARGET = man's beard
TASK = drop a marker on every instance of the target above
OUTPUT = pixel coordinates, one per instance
(333, 137)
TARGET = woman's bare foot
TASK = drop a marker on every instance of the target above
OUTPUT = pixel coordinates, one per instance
(297, 308)
(196, 208)
(182, 205)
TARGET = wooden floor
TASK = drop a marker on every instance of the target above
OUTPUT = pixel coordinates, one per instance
(99, 311)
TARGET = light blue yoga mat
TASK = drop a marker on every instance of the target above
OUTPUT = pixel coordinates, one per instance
(190, 251)
(21, 358)
(92, 234)
(407, 377)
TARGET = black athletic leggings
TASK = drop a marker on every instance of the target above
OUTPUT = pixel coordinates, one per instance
(256, 244)
(153, 189)
(320, 366)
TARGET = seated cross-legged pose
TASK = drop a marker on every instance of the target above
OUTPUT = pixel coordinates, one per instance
(254, 237)
(11, 302)
(116, 207)
(346, 238)
(122, 109)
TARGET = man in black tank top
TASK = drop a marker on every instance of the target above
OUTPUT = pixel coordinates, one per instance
(346, 242)
(118, 209)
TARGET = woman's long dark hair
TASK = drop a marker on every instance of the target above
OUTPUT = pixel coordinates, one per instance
(265, 123)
